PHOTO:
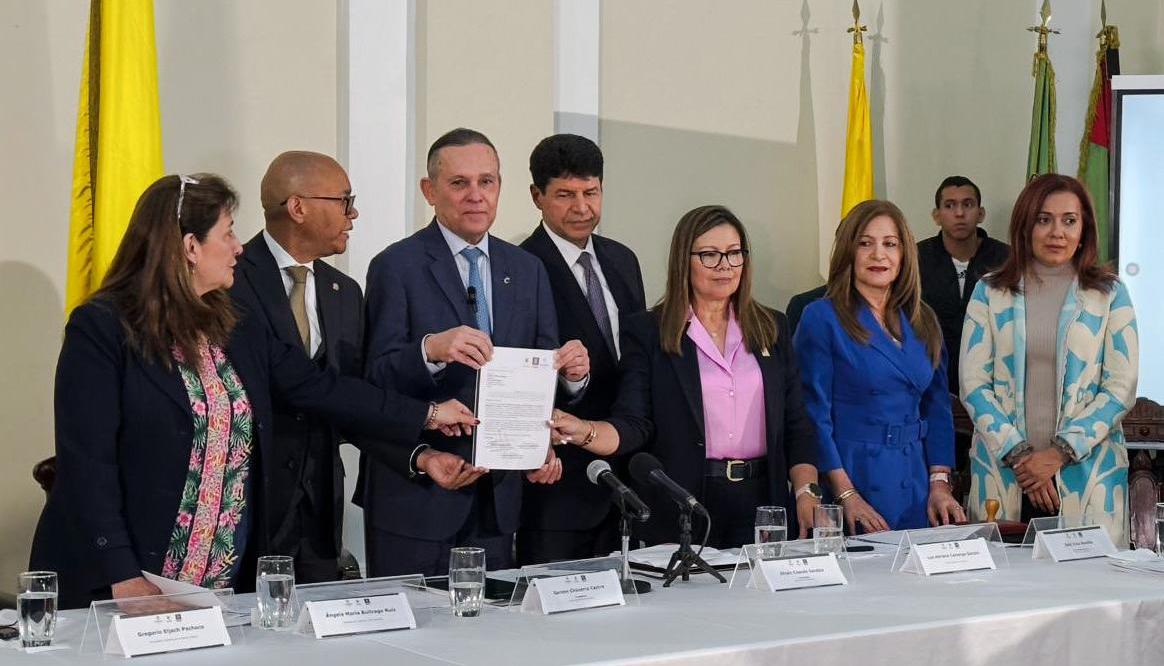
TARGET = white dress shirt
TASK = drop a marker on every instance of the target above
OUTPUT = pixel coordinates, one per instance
(284, 260)
(570, 253)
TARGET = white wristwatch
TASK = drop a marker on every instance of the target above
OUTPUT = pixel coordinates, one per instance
(939, 476)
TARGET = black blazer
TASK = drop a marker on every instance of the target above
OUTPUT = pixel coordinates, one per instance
(123, 436)
(799, 302)
(574, 503)
(660, 409)
(939, 284)
(414, 289)
(297, 478)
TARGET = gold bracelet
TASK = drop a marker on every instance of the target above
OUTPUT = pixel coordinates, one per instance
(590, 437)
(846, 495)
(433, 408)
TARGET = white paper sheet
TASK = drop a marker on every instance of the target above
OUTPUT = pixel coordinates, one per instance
(515, 399)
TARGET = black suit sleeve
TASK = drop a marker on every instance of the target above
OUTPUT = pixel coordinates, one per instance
(351, 404)
(799, 434)
(90, 373)
(631, 412)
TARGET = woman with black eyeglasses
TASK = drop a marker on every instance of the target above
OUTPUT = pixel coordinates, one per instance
(710, 387)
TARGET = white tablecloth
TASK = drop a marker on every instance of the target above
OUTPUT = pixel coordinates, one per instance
(1030, 613)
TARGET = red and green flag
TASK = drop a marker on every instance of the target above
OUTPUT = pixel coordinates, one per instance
(1094, 149)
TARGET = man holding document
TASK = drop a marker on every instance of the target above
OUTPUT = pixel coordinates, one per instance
(443, 304)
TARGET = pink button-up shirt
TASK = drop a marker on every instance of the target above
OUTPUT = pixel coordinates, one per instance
(733, 394)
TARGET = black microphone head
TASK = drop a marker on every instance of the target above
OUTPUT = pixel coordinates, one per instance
(641, 466)
(595, 468)
(472, 292)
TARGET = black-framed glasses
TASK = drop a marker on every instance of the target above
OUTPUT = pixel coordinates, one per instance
(349, 201)
(712, 258)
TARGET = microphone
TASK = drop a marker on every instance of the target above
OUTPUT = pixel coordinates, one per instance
(645, 468)
(599, 473)
(471, 296)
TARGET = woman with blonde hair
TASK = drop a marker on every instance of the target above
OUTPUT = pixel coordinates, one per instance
(874, 375)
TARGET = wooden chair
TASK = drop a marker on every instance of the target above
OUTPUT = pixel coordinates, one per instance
(1144, 423)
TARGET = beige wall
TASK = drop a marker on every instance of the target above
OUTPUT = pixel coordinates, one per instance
(236, 88)
(734, 103)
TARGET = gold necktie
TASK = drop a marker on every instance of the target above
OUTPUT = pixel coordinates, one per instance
(298, 298)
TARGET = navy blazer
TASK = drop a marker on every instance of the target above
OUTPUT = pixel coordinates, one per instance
(660, 409)
(414, 289)
(882, 411)
(124, 429)
(259, 286)
(573, 503)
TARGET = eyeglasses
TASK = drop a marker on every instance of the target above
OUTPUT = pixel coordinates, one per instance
(712, 258)
(349, 201)
(183, 181)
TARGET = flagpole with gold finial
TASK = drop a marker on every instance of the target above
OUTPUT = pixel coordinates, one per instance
(1041, 151)
(858, 184)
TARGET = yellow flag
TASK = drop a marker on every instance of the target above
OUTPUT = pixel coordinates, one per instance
(858, 138)
(119, 137)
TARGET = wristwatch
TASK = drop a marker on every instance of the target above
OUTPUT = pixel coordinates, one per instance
(810, 489)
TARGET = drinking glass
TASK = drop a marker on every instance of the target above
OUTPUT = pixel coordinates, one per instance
(36, 607)
(828, 532)
(467, 580)
(274, 588)
(771, 524)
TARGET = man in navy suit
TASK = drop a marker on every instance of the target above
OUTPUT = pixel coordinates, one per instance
(309, 209)
(595, 282)
(437, 303)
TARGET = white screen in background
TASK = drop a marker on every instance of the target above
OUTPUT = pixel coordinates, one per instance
(1141, 229)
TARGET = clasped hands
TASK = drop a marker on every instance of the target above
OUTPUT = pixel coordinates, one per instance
(469, 346)
(1035, 473)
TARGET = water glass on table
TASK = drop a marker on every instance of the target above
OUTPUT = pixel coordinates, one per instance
(274, 589)
(467, 580)
(828, 531)
(771, 524)
(36, 607)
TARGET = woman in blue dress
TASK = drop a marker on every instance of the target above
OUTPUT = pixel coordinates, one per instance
(874, 375)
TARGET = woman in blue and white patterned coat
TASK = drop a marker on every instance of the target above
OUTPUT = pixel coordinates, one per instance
(1049, 368)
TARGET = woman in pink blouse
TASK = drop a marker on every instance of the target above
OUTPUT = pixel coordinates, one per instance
(710, 387)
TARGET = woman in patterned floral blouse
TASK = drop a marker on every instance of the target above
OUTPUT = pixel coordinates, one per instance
(163, 410)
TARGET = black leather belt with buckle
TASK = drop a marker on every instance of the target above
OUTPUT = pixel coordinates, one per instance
(737, 470)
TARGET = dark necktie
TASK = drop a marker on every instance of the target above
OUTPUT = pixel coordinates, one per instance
(597, 301)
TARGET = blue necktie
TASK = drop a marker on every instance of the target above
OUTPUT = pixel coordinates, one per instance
(482, 303)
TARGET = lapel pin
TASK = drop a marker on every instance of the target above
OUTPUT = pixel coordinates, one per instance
(335, 286)
(505, 280)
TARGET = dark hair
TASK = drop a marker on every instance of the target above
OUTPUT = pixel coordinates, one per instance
(757, 322)
(563, 155)
(458, 137)
(149, 279)
(956, 181)
(904, 294)
(1026, 211)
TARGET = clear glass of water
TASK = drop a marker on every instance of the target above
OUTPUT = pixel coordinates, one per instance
(467, 580)
(1160, 529)
(771, 524)
(828, 531)
(274, 588)
(36, 607)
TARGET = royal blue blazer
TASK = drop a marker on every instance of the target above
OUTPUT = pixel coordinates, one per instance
(882, 411)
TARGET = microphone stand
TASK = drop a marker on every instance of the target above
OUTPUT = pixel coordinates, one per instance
(684, 560)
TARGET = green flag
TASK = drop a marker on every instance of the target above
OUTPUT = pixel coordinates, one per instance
(1094, 158)
(1041, 154)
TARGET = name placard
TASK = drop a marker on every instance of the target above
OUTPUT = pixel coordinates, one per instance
(793, 573)
(166, 632)
(1074, 543)
(574, 592)
(949, 556)
(357, 615)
